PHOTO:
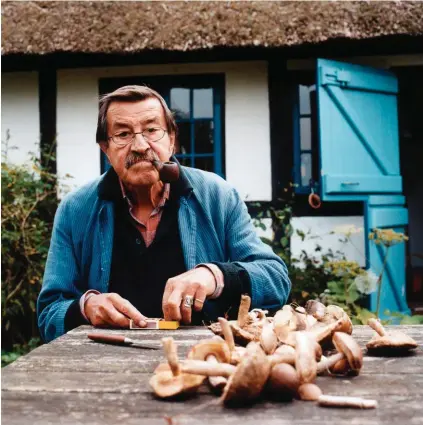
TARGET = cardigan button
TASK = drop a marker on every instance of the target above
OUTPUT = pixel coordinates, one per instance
(138, 241)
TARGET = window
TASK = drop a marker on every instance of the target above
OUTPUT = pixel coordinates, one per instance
(306, 161)
(197, 102)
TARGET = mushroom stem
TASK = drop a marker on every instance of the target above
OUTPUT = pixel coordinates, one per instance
(244, 308)
(342, 401)
(216, 382)
(171, 355)
(305, 357)
(377, 326)
(328, 362)
(277, 358)
(198, 367)
(227, 333)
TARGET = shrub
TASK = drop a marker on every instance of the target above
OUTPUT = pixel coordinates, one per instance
(29, 202)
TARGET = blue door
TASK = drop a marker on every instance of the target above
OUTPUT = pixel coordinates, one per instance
(359, 159)
(358, 129)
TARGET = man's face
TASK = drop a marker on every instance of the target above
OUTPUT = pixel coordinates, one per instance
(132, 162)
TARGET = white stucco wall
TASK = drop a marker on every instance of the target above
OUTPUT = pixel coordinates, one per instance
(20, 115)
(247, 137)
(319, 230)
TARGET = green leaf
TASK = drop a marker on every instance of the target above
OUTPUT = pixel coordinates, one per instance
(284, 241)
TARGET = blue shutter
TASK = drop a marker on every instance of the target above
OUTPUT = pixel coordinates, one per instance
(388, 212)
(358, 131)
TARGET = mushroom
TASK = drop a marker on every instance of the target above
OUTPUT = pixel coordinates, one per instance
(268, 338)
(342, 401)
(305, 358)
(249, 378)
(214, 350)
(173, 383)
(348, 349)
(316, 309)
(244, 308)
(235, 352)
(246, 380)
(283, 354)
(309, 392)
(283, 382)
(284, 323)
(389, 343)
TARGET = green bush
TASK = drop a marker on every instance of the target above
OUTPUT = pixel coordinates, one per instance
(29, 202)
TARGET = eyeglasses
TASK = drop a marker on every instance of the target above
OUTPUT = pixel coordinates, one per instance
(150, 135)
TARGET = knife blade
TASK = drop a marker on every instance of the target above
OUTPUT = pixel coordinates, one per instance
(121, 340)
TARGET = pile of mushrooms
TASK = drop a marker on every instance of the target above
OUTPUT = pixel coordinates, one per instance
(274, 357)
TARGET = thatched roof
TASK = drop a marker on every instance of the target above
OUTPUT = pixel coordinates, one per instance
(128, 27)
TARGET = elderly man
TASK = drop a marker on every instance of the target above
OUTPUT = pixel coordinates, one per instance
(130, 246)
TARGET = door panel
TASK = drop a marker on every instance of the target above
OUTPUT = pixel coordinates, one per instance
(358, 130)
(383, 214)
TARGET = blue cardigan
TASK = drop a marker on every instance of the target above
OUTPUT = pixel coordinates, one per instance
(214, 225)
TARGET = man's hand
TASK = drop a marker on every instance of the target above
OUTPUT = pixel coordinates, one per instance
(197, 283)
(113, 310)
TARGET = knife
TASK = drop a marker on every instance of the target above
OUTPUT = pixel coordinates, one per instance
(121, 340)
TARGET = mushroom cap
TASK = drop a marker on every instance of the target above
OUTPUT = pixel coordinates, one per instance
(283, 382)
(390, 344)
(346, 344)
(166, 385)
(309, 392)
(342, 367)
(249, 378)
(316, 309)
(219, 349)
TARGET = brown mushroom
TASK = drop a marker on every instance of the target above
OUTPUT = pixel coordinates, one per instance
(214, 350)
(315, 309)
(174, 383)
(347, 349)
(309, 392)
(305, 358)
(244, 308)
(283, 354)
(284, 323)
(246, 380)
(393, 343)
(235, 351)
(283, 382)
(268, 338)
(249, 378)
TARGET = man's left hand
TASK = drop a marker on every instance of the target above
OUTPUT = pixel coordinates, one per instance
(197, 283)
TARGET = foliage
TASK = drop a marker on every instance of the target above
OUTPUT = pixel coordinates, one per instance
(29, 203)
(332, 279)
(8, 357)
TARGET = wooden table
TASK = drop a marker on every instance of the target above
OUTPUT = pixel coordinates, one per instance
(76, 381)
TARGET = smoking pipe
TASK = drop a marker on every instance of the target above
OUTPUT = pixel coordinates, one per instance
(168, 171)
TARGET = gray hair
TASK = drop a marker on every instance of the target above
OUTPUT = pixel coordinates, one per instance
(130, 94)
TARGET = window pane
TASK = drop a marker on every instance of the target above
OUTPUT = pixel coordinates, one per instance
(203, 103)
(204, 137)
(304, 100)
(184, 161)
(305, 133)
(206, 164)
(184, 138)
(179, 102)
(306, 171)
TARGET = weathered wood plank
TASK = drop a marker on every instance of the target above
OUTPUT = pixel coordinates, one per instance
(105, 409)
(137, 383)
(74, 380)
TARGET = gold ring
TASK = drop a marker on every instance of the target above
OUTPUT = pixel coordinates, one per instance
(200, 301)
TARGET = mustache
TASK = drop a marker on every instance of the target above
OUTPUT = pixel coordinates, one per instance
(134, 157)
